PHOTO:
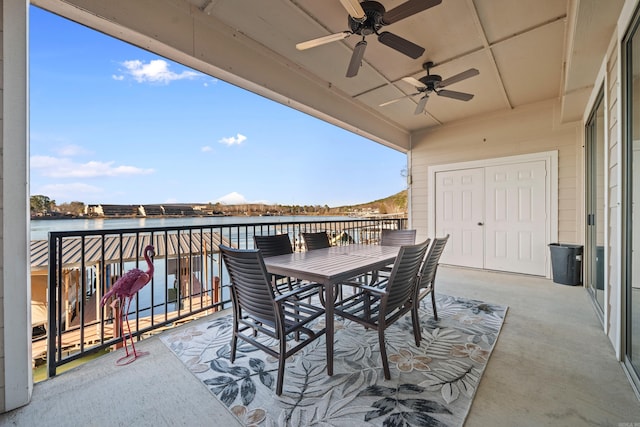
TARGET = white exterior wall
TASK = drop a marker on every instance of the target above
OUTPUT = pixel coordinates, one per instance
(537, 128)
(16, 381)
(532, 129)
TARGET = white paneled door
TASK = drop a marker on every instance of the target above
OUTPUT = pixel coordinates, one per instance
(460, 213)
(496, 217)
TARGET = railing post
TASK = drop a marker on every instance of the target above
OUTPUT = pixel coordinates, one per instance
(51, 312)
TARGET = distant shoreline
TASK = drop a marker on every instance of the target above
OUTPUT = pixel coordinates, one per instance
(61, 217)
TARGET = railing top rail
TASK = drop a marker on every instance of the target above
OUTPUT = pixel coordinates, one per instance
(162, 229)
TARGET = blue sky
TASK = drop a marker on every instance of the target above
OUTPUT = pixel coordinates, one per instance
(112, 123)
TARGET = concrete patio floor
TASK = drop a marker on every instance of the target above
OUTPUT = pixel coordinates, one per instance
(552, 366)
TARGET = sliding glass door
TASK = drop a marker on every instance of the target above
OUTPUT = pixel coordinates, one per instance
(631, 200)
(595, 170)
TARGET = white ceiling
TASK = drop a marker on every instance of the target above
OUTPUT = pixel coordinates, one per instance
(525, 50)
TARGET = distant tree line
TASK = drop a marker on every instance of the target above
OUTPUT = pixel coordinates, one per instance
(43, 206)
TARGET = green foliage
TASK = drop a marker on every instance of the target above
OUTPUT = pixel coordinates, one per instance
(72, 208)
(396, 203)
(41, 205)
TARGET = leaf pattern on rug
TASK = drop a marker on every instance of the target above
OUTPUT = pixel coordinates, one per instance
(431, 385)
(403, 411)
(452, 378)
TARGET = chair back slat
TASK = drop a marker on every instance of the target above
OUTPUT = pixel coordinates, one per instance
(250, 285)
(273, 245)
(397, 237)
(430, 265)
(317, 240)
(401, 286)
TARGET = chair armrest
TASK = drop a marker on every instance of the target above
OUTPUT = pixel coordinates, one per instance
(367, 288)
(297, 291)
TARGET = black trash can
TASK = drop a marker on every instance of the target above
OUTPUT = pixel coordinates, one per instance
(566, 263)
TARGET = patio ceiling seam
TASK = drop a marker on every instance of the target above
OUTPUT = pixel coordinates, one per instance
(488, 49)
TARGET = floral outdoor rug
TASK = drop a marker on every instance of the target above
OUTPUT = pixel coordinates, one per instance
(431, 385)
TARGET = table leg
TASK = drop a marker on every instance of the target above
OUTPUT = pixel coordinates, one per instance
(328, 298)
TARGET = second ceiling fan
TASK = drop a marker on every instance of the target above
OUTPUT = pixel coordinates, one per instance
(368, 18)
(434, 83)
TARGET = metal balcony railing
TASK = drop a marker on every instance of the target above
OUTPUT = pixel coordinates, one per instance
(189, 279)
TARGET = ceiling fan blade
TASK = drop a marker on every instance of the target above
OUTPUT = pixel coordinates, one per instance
(401, 45)
(421, 104)
(412, 81)
(455, 95)
(322, 40)
(354, 9)
(356, 58)
(407, 9)
(458, 77)
(398, 99)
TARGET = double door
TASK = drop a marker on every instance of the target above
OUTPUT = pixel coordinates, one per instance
(497, 217)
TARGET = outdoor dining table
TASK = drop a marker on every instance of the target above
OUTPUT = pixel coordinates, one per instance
(329, 267)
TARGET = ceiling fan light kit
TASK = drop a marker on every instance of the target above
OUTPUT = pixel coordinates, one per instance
(368, 18)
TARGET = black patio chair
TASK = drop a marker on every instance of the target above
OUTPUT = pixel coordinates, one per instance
(378, 308)
(427, 276)
(389, 237)
(318, 240)
(274, 245)
(257, 308)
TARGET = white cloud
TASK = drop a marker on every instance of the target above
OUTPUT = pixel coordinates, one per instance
(233, 140)
(236, 198)
(60, 167)
(155, 71)
(206, 149)
(232, 199)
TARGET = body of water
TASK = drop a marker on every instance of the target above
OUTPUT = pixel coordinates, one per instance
(40, 228)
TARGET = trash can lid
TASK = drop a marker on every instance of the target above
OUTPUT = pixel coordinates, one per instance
(566, 245)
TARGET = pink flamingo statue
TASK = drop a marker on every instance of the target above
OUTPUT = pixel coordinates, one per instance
(124, 290)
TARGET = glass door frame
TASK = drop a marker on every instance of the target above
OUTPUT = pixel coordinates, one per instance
(627, 194)
(591, 272)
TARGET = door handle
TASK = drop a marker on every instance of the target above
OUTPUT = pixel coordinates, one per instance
(480, 223)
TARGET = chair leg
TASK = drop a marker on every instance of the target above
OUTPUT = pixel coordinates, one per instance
(281, 359)
(234, 340)
(433, 303)
(415, 319)
(383, 354)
